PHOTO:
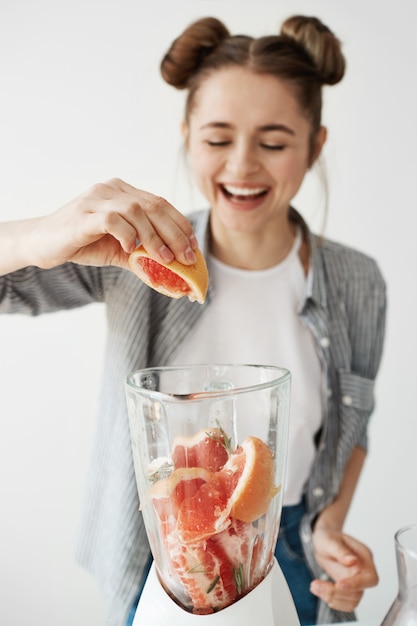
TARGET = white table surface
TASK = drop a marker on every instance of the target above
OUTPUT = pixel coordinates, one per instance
(360, 623)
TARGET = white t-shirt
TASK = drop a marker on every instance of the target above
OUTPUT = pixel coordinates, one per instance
(253, 318)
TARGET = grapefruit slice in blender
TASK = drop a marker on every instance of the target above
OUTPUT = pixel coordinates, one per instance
(208, 449)
(207, 521)
(168, 493)
(203, 515)
(242, 489)
(249, 479)
(206, 575)
(172, 279)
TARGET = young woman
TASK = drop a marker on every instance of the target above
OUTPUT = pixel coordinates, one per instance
(278, 294)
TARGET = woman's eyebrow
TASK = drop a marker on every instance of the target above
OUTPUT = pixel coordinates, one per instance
(263, 129)
(216, 125)
(280, 127)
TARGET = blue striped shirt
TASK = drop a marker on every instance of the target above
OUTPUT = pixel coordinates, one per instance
(345, 307)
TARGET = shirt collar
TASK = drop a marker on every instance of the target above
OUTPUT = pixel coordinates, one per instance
(316, 286)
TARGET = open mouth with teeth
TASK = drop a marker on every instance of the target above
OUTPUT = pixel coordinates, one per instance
(243, 194)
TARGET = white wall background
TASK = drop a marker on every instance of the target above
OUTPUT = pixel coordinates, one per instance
(81, 101)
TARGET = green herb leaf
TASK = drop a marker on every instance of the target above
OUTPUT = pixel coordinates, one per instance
(197, 569)
(238, 578)
(223, 439)
(213, 584)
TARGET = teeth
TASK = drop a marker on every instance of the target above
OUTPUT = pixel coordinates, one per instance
(244, 191)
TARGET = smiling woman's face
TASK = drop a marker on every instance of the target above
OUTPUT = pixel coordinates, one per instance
(249, 148)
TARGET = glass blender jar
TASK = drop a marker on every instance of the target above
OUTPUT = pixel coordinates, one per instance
(209, 448)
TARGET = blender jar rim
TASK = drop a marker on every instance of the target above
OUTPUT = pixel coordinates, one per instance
(284, 376)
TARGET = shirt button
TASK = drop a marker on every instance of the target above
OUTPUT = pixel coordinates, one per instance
(325, 342)
(318, 492)
(329, 393)
(347, 400)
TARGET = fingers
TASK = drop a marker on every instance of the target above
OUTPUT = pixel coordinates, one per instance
(335, 556)
(363, 572)
(338, 549)
(335, 597)
(364, 578)
(131, 215)
(103, 226)
(342, 556)
(350, 566)
(163, 231)
(100, 224)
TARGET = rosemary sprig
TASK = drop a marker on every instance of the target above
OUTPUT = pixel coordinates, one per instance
(197, 569)
(161, 471)
(238, 578)
(213, 584)
(224, 440)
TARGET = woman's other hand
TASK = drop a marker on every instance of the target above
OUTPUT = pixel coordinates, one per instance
(348, 563)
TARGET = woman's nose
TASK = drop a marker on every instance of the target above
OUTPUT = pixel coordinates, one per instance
(242, 159)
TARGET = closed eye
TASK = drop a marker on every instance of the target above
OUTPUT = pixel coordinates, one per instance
(268, 146)
(218, 143)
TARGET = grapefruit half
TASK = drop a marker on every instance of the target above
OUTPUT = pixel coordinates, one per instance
(172, 279)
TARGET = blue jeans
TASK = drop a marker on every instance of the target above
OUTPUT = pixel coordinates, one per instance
(290, 556)
(132, 612)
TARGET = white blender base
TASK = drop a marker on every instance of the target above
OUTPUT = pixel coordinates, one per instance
(269, 604)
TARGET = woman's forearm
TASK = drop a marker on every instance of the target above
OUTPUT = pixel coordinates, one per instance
(335, 514)
(16, 245)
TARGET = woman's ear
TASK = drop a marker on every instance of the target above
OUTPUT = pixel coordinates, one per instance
(319, 142)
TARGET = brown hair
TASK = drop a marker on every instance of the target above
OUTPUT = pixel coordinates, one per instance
(305, 53)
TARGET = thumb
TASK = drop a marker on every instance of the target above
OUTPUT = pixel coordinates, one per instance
(342, 551)
(341, 561)
(348, 558)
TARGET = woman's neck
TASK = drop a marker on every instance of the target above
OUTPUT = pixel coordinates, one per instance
(253, 251)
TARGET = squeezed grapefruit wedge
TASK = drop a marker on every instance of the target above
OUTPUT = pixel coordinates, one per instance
(172, 279)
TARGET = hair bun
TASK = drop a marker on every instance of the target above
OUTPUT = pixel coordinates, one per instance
(190, 48)
(320, 43)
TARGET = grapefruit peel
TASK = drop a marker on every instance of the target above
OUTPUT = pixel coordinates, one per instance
(255, 487)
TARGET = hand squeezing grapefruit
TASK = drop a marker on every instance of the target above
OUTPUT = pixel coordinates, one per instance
(210, 511)
(172, 279)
